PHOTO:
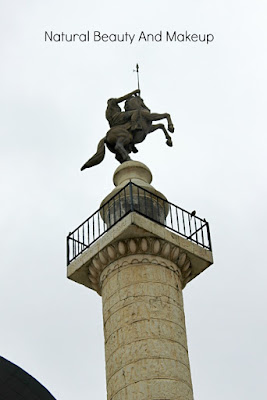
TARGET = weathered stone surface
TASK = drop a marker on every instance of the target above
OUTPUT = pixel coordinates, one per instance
(145, 329)
(165, 389)
(169, 273)
(144, 326)
(148, 369)
(154, 348)
(166, 292)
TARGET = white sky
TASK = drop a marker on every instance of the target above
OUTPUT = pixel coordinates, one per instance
(53, 98)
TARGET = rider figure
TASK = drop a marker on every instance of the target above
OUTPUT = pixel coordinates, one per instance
(116, 117)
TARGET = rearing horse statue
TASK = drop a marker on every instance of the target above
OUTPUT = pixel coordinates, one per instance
(128, 128)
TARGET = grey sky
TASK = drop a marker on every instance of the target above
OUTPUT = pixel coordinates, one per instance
(53, 98)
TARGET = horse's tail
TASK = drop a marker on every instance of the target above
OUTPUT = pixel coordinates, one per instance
(98, 157)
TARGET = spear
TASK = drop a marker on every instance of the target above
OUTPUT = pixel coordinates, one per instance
(137, 73)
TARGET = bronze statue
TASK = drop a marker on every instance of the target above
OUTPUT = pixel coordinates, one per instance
(128, 128)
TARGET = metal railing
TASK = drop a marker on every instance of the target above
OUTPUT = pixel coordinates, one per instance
(133, 198)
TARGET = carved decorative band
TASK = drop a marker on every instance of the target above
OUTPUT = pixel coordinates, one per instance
(132, 259)
(139, 246)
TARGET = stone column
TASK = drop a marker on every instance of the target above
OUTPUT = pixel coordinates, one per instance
(144, 325)
(140, 268)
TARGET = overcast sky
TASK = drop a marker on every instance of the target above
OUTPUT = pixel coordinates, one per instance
(53, 99)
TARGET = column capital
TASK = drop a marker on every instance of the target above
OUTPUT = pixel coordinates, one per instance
(150, 250)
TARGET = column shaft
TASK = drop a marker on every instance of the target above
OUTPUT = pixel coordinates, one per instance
(144, 327)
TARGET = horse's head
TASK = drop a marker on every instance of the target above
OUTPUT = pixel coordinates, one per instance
(135, 103)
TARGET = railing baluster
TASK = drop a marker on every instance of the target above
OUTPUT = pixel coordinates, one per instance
(196, 229)
(114, 212)
(202, 235)
(83, 235)
(98, 221)
(109, 215)
(189, 223)
(93, 227)
(177, 219)
(131, 197)
(158, 208)
(120, 203)
(125, 202)
(183, 221)
(171, 215)
(209, 239)
(104, 217)
(68, 250)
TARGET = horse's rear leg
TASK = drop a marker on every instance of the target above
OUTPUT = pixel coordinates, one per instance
(121, 153)
(162, 127)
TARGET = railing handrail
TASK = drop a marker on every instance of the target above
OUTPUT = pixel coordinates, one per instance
(161, 198)
(79, 245)
(107, 202)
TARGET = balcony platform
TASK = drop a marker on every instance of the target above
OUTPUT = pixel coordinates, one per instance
(136, 226)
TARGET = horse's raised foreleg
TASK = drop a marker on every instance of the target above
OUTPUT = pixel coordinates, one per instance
(157, 117)
(162, 127)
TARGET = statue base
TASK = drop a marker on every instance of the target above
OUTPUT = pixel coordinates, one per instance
(133, 192)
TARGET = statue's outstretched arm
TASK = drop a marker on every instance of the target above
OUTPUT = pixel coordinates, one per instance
(127, 96)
